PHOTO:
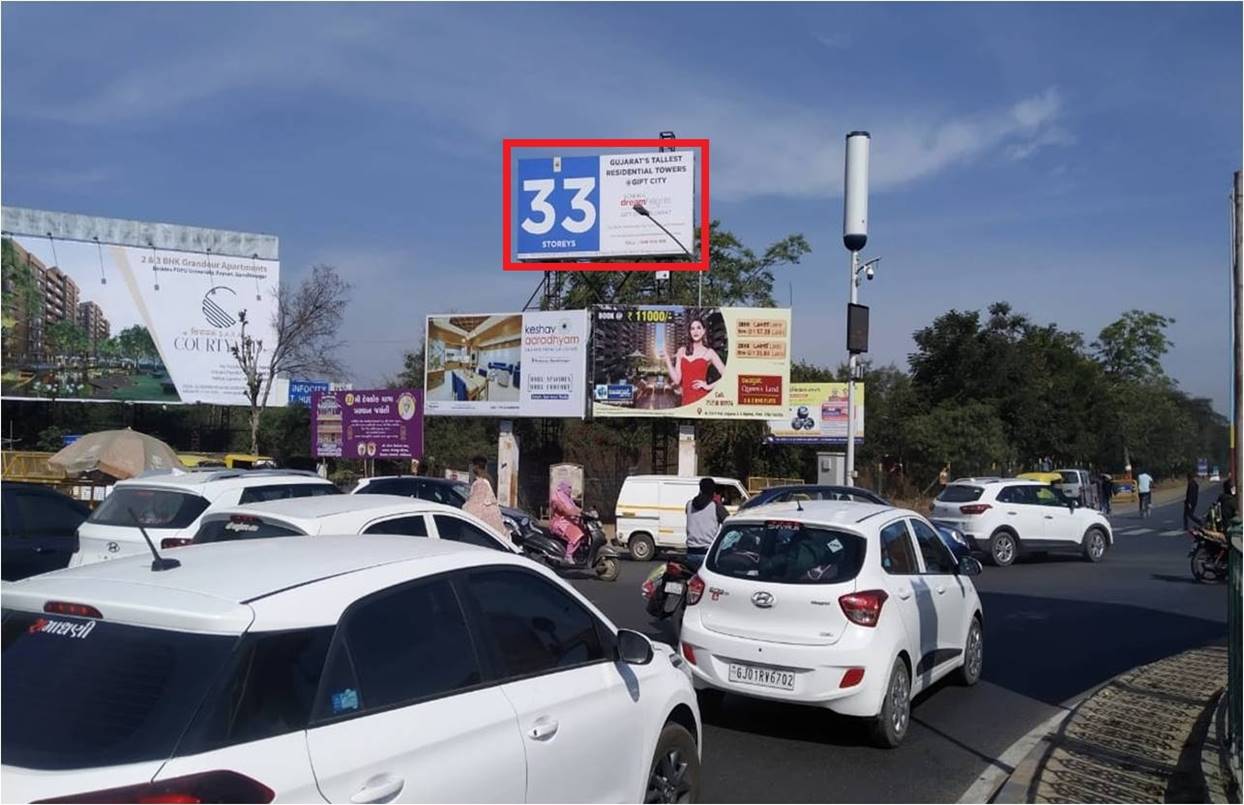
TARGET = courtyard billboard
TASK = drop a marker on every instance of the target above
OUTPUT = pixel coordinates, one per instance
(507, 364)
(690, 362)
(101, 322)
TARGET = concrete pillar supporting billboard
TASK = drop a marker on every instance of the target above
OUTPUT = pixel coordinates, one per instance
(687, 465)
(507, 465)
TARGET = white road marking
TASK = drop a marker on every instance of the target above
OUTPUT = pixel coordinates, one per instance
(1130, 531)
(1174, 532)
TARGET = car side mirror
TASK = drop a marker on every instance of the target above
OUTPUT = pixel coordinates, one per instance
(969, 566)
(633, 648)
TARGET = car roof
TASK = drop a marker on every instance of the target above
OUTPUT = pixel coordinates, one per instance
(191, 481)
(995, 481)
(835, 487)
(694, 479)
(819, 512)
(215, 583)
(330, 505)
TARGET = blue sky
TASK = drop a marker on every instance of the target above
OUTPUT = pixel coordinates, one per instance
(1072, 159)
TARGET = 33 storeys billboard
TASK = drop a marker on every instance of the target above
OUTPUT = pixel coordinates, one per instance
(690, 363)
(93, 321)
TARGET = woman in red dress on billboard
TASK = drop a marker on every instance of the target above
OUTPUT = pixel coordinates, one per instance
(689, 369)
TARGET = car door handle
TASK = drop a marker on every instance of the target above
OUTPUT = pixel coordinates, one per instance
(543, 729)
(1012, 513)
(1049, 517)
(381, 788)
(904, 593)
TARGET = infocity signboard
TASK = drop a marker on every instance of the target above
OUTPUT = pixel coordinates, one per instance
(300, 391)
(570, 205)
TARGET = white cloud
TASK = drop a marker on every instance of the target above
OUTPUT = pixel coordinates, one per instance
(473, 76)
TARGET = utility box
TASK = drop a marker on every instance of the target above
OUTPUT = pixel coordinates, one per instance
(831, 468)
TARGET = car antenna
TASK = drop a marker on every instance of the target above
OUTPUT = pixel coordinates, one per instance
(160, 562)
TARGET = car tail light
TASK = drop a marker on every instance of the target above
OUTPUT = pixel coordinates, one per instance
(211, 786)
(695, 590)
(689, 653)
(975, 508)
(175, 542)
(851, 678)
(863, 608)
(76, 610)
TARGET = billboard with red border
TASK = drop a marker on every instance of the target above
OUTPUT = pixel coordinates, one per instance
(604, 211)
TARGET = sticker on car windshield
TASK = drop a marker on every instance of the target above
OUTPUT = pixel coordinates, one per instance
(63, 628)
(834, 545)
(345, 700)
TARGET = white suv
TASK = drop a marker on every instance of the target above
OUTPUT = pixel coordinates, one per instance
(340, 669)
(170, 505)
(1005, 517)
(853, 607)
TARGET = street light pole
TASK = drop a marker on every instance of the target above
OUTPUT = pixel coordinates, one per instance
(642, 210)
(854, 236)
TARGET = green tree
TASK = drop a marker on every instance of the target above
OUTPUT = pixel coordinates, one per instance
(66, 340)
(22, 303)
(1131, 348)
(1130, 352)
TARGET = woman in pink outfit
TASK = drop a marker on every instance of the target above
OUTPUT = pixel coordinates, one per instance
(564, 517)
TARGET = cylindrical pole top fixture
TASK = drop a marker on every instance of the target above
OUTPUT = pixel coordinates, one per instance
(855, 197)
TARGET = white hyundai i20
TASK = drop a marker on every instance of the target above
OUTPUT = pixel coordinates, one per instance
(853, 607)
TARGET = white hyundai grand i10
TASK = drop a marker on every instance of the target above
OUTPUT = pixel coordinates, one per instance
(853, 607)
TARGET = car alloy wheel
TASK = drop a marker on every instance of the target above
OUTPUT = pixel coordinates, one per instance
(1004, 549)
(668, 780)
(1097, 546)
(975, 654)
(900, 701)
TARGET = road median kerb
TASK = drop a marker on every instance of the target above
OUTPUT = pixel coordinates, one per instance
(1138, 738)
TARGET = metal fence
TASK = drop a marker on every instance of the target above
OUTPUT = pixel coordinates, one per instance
(1235, 633)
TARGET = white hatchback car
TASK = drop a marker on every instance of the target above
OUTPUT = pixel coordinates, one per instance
(1006, 516)
(853, 607)
(341, 669)
(169, 506)
(349, 514)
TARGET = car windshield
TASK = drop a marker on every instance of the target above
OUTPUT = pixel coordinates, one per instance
(154, 508)
(787, 552)
(1070, 477)
(81, 693)
(960, 493)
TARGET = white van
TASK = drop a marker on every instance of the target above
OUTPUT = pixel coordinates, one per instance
(652, 510)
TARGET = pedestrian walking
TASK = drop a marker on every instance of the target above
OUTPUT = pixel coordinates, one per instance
(1190, 500)
(1144, 483)
(1107, 492)
(482, 502)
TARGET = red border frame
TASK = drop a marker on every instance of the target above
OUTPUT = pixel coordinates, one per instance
(510, 264)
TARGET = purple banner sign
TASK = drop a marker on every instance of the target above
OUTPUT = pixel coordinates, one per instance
(379, 423)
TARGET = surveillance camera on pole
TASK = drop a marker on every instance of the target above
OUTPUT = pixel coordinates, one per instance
(854, 236)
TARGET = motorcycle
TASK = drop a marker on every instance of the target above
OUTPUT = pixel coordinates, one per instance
(592, 553)
(1208, 556)
(665, 591)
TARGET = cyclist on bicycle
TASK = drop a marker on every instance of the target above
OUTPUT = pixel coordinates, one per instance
(1144, 482)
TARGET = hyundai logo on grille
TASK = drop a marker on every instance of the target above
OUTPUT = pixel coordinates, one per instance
(762, 599)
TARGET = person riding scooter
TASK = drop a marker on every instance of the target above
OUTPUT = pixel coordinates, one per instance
(565, 518)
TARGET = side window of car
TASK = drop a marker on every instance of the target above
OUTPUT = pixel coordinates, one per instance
(937, 557)
(49, 515)
(399, 647)
(897, 556)
(530, 625)
(413, 526)
(439, 493)
(455, 529)
(1008, 495)
(1046, 496)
